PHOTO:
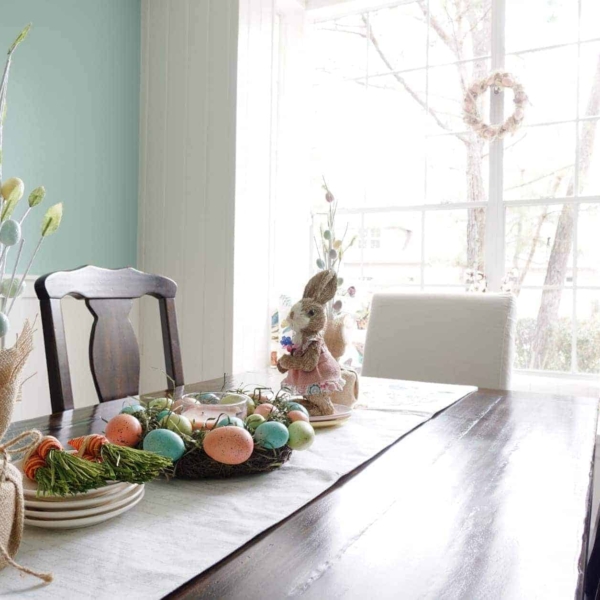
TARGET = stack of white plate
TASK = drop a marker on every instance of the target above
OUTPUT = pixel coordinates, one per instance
(79, 510)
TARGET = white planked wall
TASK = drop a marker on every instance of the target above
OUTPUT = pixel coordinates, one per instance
(187, 178)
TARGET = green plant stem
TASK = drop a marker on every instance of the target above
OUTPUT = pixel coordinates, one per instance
(37, 248)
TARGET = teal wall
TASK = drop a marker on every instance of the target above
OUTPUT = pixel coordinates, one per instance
(72, 124)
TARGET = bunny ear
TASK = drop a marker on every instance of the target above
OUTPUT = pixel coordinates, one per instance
(322, 287)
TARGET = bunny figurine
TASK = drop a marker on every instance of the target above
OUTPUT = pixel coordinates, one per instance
(311, 369)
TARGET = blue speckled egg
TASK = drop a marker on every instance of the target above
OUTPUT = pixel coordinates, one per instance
(162, 414)
(226, 420)
(165, 443)
(296, 406)
(133, 409)
(208, 398)
(4, 324)
(10, 232)
(271, 435)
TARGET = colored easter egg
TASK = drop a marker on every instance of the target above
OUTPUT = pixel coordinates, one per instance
(208, 398)
(165, 443)
(271, 435)
(133, 409)
(297, 415)
(229, 445)
(124, 430)
(302, 435)
(227, 420)
(264, 410)
(296, 406)
(161, 403)
(253, 421)
(235, 398)
(4, 324)
(162, 414)
(9, 291)
(10, 232)
(177, 423)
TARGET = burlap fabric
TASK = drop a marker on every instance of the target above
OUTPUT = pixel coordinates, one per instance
(12, 362)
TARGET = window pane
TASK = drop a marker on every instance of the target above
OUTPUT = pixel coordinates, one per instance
(531, 244)
(590, 17)
(544, 337)
(588, 256)
(589, 79)
(338, 48)
(399, 38)
(457, 169)
(459, 30)
(338, 140)
(537, 23)
(391, 244)
(396, 156)
(454, 242)
(446, 93)
(538, 162)
(589, 158)
(532, 69)
(588, 331)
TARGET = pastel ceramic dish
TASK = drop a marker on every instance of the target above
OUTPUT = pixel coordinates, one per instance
(340, 416)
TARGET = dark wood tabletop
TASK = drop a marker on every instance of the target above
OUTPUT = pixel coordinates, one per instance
(489, 499)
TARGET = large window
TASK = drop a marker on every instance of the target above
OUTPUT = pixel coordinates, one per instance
(436, 207)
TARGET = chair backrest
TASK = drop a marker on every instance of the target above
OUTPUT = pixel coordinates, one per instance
(465, 339)
(114, 351)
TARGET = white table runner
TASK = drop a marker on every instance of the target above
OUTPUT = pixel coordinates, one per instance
(182, 528)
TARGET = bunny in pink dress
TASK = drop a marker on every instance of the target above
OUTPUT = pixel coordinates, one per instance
(311, 369)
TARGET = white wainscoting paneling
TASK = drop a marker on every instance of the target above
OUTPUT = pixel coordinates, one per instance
(187, 178)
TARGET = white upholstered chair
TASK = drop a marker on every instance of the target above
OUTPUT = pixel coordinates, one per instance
(465, 339)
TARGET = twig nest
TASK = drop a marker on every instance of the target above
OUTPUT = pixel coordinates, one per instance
(471, 116)
(10, 232)
(4, 324)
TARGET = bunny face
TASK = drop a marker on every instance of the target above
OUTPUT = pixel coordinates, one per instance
(308, 316)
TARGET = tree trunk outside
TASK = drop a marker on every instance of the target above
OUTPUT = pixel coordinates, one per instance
(563, 241)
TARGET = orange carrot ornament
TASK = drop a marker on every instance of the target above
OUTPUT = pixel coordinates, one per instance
(60, 473)
(120, 463)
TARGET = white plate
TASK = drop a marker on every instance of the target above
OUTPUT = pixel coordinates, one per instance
(76, 513)
(85, 521)
(81, 501)
(341, 412)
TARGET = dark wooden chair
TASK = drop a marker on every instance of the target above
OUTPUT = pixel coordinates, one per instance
(114, 351)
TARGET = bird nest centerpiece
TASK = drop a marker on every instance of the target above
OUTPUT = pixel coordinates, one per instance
(216, 435)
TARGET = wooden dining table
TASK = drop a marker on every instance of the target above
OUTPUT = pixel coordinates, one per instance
(489, 499)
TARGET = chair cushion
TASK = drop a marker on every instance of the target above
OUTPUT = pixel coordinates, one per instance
(461, 338)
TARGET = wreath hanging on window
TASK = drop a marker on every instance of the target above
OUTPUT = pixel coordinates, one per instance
(497, 80)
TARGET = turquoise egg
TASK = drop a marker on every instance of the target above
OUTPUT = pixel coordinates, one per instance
(271, 435)
(10, 232)
(165, 443)
(227, 420)
(208, 398)
(296, 406)
(4, 324)
(133, 409)
(163, 413)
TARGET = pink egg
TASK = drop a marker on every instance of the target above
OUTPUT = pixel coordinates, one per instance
(229, 445)
(124, 430)
(297, 415)
(264, 409)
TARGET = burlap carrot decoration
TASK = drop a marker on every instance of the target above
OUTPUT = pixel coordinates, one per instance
(60, 473)
(120, 462)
